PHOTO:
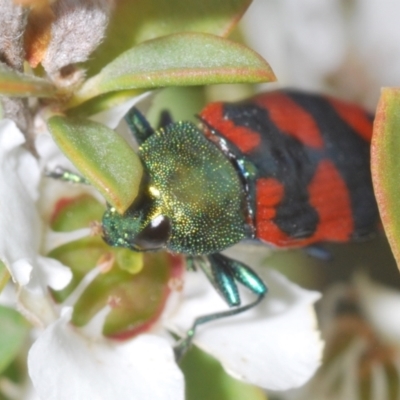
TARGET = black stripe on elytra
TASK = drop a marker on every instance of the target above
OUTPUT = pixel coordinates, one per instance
(351, 155)
(285, 159)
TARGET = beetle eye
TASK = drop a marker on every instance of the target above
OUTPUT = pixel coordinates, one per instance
(154, 235)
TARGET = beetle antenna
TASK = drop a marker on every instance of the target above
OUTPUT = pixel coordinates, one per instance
(184, 344)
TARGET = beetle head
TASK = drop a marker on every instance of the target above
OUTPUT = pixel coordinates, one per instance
(136, 230)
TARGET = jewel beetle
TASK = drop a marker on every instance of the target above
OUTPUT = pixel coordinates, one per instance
(287, 168)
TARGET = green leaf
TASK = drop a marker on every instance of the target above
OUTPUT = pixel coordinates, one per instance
(385, 164)
(198, 367)
(14, 330)
(103, 102)
(102, 156)
(20, 85)
(183, 59)
(133, 22)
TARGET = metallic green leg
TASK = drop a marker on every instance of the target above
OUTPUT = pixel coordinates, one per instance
(66, 175)
(224, 273)
(184, 344)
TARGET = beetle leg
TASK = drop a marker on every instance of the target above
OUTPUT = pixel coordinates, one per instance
(221, 277)
(184, 344)
(224, 273)
(191, 264)
(165, 119)
(138, 125)
(242, 274)
(66, 175)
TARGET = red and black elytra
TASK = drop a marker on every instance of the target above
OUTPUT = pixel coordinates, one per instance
(311, 159)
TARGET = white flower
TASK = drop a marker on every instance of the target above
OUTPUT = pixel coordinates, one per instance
(275, 345)
(362, 357)
(345, 48)
(63, 362)
(20, 224)
(302, 40)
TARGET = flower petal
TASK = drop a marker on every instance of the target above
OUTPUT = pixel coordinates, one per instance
(381, 306)
(275, 345)
(54, 273)
(19, 220)
(20, 223)
(64, 365)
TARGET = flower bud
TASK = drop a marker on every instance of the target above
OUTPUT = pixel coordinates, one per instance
(12, 26)
(65, 33)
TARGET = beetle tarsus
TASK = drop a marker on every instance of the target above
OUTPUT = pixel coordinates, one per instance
(184, 344)
(64, 174)
(319, 252)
